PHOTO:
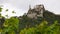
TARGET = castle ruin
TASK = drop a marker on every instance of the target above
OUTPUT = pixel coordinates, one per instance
(37, 11)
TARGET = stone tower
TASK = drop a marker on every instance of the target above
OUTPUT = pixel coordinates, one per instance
(37, 11)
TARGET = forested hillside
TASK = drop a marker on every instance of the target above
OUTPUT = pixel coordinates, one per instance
(49, 24)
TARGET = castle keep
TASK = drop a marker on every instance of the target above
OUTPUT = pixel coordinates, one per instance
(37, 11)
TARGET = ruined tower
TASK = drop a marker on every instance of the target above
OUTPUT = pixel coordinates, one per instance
(37, 11)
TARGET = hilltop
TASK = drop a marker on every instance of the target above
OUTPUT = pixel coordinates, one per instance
(36, 16)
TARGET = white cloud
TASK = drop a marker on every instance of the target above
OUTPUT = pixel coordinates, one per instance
(11, 8)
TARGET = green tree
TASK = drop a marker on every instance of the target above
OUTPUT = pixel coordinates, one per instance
(11, 24)
(13, 12)
(6, 10)
(1, 9)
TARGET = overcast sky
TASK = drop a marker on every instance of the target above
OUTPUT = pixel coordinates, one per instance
(22, 6)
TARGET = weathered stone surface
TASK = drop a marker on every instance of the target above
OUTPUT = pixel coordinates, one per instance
(37, 11)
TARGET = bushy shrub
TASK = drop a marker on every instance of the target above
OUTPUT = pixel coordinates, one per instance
(11, 24)
(43, 28)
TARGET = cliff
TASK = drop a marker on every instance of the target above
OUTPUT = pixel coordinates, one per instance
(32, 18)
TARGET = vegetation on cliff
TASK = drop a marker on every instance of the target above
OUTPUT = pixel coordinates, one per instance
(49, 24)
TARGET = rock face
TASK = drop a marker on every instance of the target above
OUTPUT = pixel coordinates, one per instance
(37, 11)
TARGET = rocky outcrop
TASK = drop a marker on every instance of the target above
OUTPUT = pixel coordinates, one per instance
(37, 11)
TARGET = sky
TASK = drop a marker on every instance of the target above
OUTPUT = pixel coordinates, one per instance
(22, 6)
